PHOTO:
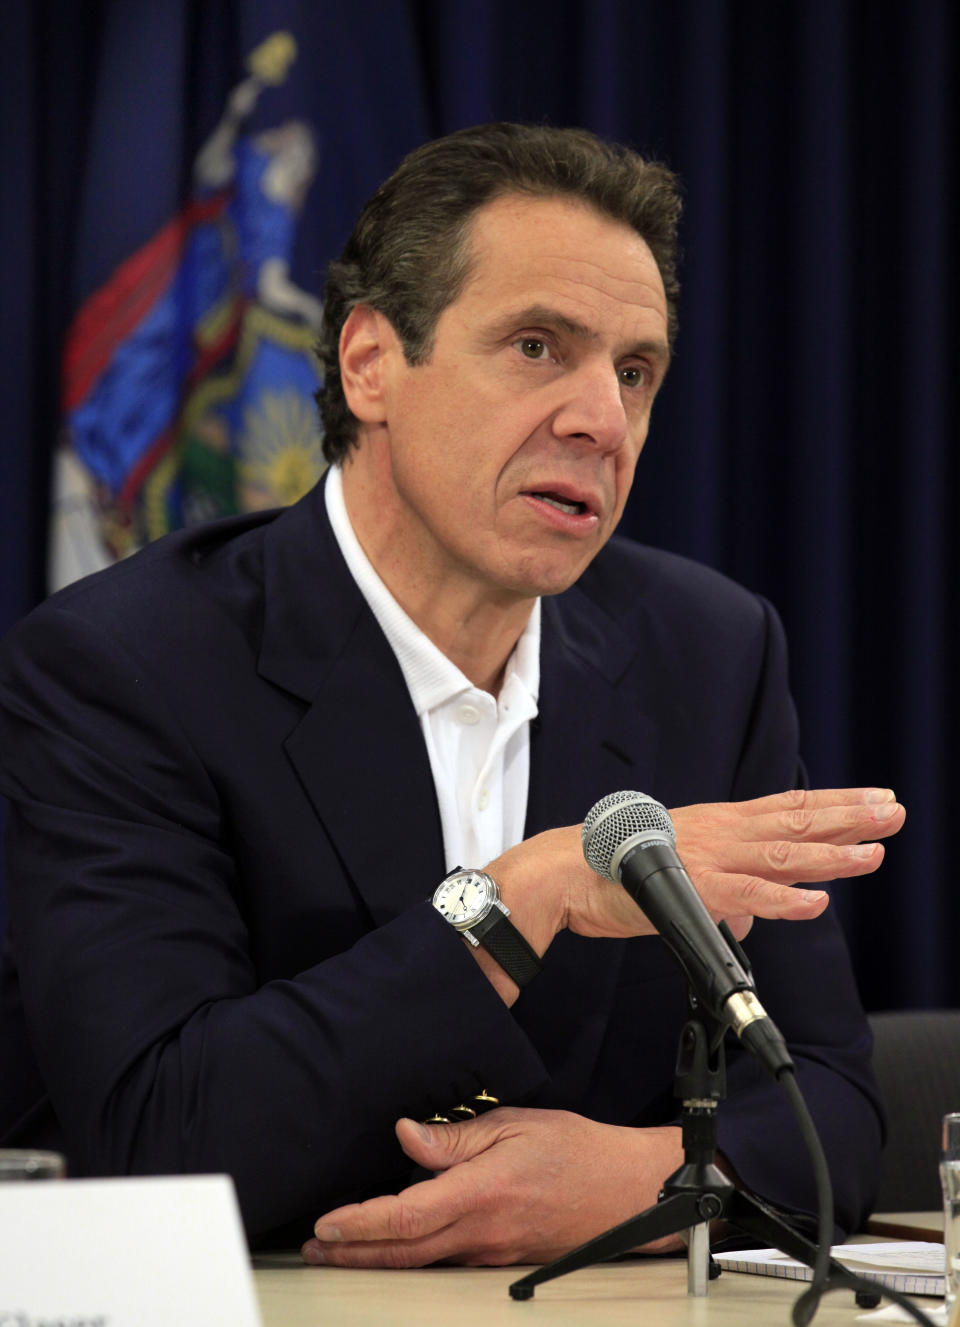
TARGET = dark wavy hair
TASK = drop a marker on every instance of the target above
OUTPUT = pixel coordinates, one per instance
(409, 254)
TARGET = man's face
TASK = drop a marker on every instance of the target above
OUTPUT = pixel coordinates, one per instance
(512, 451)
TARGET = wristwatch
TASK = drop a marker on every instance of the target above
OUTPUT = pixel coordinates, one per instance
(470, 901)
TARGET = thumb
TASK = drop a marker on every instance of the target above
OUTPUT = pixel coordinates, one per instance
(440, 1146)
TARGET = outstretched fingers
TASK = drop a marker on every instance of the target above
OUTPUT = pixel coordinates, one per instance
(812, 799)
(781, 862)
(839, 823)
(744, 856)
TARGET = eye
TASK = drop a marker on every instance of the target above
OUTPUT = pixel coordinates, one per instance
(633, 375)
(533, 347)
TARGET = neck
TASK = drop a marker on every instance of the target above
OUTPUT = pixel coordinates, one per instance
(472, 623)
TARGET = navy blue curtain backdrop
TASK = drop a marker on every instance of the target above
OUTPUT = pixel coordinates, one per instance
(805, 440)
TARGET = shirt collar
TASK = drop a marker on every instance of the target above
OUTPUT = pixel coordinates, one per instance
(431, 678)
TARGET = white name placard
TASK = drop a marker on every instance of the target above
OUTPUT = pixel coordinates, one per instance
(124, 1253)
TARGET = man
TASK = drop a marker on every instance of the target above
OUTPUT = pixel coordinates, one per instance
(241, 764)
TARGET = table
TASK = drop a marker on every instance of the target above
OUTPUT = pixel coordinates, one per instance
(644, 1292)
(906, 1225)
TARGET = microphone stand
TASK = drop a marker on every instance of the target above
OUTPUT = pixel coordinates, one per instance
(698, 1192)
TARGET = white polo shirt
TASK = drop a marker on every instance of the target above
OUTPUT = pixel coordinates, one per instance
(478, 744)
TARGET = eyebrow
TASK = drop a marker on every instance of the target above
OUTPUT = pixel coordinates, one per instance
(553, 319)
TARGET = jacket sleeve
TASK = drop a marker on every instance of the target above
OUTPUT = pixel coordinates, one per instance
(805, 981)
(159, 1048)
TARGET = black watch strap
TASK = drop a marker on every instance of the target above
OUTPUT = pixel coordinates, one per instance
(502, 941)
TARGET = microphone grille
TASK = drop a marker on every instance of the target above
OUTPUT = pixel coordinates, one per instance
(617, 818)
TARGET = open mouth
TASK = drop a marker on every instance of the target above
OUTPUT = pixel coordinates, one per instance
(562, 504)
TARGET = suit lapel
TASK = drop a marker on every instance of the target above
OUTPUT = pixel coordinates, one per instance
(374, 792)
(591, 738)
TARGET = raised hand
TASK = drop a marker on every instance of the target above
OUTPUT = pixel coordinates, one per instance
(745, 858)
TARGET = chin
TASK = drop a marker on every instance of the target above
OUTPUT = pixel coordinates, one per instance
(544, 581)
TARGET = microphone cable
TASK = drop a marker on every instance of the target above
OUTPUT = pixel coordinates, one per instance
(828, 1274)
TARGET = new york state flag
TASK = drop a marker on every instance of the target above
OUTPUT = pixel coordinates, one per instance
(189, 376)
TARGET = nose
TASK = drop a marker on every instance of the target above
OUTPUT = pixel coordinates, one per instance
(593, 408)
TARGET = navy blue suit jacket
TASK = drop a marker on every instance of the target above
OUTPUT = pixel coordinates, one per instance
(223, 832)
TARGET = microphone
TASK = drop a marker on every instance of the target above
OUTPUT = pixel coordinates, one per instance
(629, 838)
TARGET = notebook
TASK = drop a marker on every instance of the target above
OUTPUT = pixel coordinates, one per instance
(913, 1267)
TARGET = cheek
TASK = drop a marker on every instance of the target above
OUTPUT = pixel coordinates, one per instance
(444, 424)
(626, 468)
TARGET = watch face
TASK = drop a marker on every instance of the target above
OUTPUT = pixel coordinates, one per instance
(465, 898)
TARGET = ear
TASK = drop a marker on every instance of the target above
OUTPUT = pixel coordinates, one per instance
(364, 340)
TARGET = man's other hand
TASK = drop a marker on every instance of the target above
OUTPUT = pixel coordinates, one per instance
(516, 1185)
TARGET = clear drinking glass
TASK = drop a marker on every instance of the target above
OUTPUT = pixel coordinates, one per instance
(950, 1180)
(29, 1164)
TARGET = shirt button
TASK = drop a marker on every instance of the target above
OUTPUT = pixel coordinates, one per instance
(468, 714)
(483, 801)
